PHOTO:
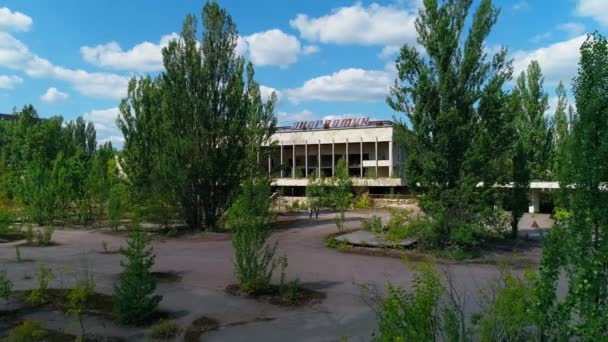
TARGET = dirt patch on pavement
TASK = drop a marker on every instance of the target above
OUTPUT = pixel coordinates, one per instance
(200, 326)
(288, 296)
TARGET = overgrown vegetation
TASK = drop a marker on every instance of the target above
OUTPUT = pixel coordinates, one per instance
(334, 192)
(134, 296)
(164, 330)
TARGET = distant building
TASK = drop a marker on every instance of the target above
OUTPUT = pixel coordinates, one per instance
(8, 117)
(313, 148)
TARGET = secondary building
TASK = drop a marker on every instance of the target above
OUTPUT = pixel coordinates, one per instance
(313, 148)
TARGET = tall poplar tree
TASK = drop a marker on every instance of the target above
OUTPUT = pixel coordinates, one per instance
(195, 123)
(450, 96)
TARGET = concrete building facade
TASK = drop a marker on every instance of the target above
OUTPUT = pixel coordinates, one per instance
(313, 148)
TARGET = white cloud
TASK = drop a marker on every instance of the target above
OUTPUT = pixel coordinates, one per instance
(8, 82)
(273, 47)
(596, 9)
(16, 56)
(345, 85)
(572, 29)
(357, 24)
(559, 61)
(53, 95)
(287, 118)
(541, 37)
(310, 49)
(265, 92)
(14, 21)
(144, 57)
(520, 5)
(104, 121)
(388, 51)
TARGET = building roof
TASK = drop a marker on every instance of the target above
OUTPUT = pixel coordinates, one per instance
(8, 116)
(320, 125)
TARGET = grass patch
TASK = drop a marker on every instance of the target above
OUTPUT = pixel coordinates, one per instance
(99, 304)
(200, 326)
(273, 294)
(164, 330)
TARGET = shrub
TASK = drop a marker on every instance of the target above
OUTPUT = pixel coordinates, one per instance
(405, 316)
(250, 219)
(28, 331)
(507, 315)
(363, 201)
(133, 297)
(164, 330)
(5, 222)
(76, 301)
(6, 286)
(332, 243)
(372, 224)
(402, 226)
(38, 295)
(47, 235)
(29, 234)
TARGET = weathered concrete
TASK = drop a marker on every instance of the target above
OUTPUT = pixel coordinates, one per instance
(365, 238)
(206, 266)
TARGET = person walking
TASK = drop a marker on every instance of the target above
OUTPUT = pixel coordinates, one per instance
(310, 213)
(316, 213)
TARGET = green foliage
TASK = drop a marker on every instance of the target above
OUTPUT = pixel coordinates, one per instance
(28, 331)
(363, 201)
(44, 237)
(5, 222)
(39, 295)
(507, 316)
(76, 301)
(459, 129)
(133, 297)
(164, 330)
(372, 224)
(222, 121)
(6, 286)
(250, 219)
(578, 244)
(335, 192)
(405, 316)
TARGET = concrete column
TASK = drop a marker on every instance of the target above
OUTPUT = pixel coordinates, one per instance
(361, 158)
(319, 160)
(346, 154)
(269, 162)
(306, 159)
(281, 160)
(390, 159)
(376, 157)
(534, 201)
(333, 156)
(293, 161)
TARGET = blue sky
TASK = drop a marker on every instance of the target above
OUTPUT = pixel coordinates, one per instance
(324, 58)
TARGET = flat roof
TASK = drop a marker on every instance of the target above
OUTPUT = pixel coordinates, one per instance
(370, 124)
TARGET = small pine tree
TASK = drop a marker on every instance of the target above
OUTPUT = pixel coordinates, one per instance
(134, 299)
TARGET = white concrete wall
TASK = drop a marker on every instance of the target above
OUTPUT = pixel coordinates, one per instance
(337, 135)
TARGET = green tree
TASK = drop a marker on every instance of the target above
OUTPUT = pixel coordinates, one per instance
(250, 218)
(439, 93)
(134, 296)
(561, 133)
(582, 253)
(209, 97)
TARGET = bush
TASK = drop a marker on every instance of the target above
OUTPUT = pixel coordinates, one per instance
(250, 219)
(45, 238)
(363, 201)
(5, 222)
(164, 330)
(28, 331)
(38, 295)
(372, 224)
(133, 297)
(416, 315)
(507, 315)
(76, 301)
(402, 226)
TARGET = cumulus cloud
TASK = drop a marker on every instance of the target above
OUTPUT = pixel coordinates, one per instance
(144, 57)
(104, 121)
(53, 95)
(596, 9)
(559, 61)
(520, 5)
(15, 55)
(356, 85)
(265, 92)
(388, 51)
(310, 49)
(357, 24)
(8, 82)
(273, 47)
(14, 21)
